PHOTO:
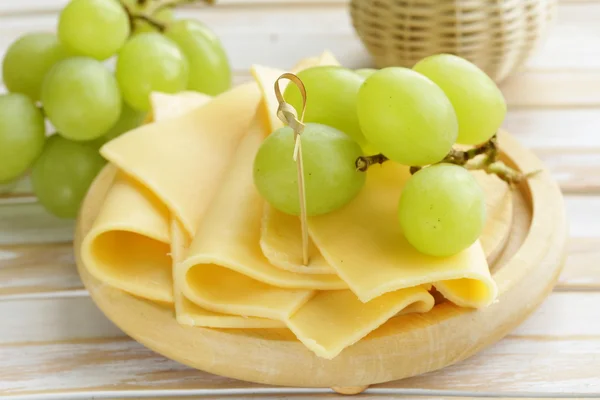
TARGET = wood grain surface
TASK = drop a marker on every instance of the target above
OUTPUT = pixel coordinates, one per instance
(55, 342)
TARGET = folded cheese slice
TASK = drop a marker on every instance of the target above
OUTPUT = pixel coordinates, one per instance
(188, 313)
(225, 270)
(334, 320)
(163, 156)
(167, 106)
(366, 247)
(128, 245)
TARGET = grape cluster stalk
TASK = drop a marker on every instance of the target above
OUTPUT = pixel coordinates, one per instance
(470, 159)
(152, 7)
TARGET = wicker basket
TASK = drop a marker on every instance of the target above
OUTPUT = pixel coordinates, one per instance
(497, 35)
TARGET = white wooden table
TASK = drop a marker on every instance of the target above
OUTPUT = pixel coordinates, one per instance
(55, 344)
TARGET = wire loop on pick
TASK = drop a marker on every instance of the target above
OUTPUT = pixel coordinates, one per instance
(289, 116)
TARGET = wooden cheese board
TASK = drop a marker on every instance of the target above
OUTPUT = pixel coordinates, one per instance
(527, 249)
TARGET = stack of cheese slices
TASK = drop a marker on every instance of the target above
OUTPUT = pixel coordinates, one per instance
(182, 224)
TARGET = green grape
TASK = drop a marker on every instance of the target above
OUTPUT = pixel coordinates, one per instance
(28, 60)
(164, 16)
(22, 135)
(477, 101)
(147, 63)
(63, 173)
(81, 98)
(209, 68)
(129, 120)
(406, 116)
(442, 210)
(365, 72)
(93, 28)
(331, 98)
(331, 179)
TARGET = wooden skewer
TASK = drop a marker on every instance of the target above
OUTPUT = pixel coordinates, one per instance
(288, 115)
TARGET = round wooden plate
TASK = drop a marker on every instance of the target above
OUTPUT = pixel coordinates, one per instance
(405, 346)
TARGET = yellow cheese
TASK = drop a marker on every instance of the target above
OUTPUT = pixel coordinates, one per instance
(363, 238)
(281, 240)
(225, 270)
(182, 160)
(188, 313)
(128, 245)
(334, 320)
(166, 106)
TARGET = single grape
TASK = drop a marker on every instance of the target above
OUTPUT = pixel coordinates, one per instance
(365, 72)
(129, 120)
(477, 101)
(164, 16)
(63, 173)
(22, 135)
(209, 68)
(442, 210)
(331, 98)
(331, 179)
(406, 116)
(81, 98)
(28, 60)
(93, 28)
(150, 62)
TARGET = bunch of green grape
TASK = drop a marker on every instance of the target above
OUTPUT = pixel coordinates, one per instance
(64, 79)
(412, 117)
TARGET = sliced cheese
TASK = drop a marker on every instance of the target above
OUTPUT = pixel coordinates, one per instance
(128, 245)
(225, 271)
(182, 160)
(334, 320)
(166, 106)
(365, 245)
(281, 243)
(188, 313)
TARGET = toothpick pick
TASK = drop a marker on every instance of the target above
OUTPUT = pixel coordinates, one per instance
(288, 115)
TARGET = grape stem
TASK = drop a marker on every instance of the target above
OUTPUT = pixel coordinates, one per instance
(142, 17)
(467, 158)
(154, 7)
(162, 4)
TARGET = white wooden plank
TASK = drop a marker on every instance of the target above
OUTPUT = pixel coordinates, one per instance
(30, 223)
(53, 319)
(568, 128)
(35, 268)
(581, 268)
(570, 43)
(540, 353)
(583, 215)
